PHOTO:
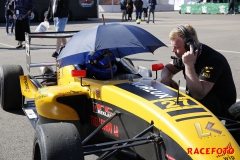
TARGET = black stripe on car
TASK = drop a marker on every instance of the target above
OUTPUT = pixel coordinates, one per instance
(186, 111)
(193, 117)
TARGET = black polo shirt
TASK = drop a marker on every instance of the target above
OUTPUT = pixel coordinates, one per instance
(213, 67)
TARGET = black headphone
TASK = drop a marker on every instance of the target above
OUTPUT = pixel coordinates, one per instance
(188, 38)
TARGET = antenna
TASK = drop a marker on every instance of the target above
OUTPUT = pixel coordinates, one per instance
(110, 63)
(178, 92)
(103, 19)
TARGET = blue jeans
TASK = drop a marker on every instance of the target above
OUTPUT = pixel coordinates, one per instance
(8, 20)
(138, 14)
(60, 23)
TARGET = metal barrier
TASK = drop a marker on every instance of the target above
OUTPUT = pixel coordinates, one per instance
(65, 34)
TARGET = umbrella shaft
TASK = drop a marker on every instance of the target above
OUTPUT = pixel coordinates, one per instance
(110, 64)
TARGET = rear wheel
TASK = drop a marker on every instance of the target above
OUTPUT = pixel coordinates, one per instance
(234, 110)
(57, 141)
(10, 90)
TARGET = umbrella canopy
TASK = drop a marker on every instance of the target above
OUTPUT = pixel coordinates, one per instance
(121, 40)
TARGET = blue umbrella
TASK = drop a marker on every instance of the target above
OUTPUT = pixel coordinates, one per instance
(121, 40)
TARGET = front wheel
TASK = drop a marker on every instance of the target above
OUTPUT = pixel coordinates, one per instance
(57, 141)
(10, 90)
(234, 110)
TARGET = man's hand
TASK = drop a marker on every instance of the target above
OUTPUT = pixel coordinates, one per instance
(167, 82)
(189, 57)
(45, 19)
(14, 16)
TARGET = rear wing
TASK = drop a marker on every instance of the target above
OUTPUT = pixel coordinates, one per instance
(65, 34)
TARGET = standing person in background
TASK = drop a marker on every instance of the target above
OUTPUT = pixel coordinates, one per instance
(29, 19)
(151, 9)
(123, 7)
(58, 10)
(145, 6)
(129, 9)
(138, 6)
(9, 16)
(22, 8)
(231, 7)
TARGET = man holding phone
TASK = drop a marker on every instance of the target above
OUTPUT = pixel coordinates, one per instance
(207, 72)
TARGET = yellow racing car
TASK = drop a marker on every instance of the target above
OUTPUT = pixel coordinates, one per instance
(130, 115)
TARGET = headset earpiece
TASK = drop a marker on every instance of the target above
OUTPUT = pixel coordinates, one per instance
(188, 38)
(187, 45)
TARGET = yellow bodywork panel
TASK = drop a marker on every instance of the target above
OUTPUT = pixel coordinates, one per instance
(47, 105)
(206, 131)
(27, 87)
(64, 75)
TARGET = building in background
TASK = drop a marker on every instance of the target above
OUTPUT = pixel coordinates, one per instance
(79, 9)
(113, 5)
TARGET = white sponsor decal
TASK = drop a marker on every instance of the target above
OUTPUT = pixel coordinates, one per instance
(151, 90)
(30, 113)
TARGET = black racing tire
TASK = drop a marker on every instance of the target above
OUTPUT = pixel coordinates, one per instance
(57, 141)
(10, 90)
(234, 110)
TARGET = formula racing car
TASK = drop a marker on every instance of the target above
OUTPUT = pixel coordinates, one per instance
(130, 115)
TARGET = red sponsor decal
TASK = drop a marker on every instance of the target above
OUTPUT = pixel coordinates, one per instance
(102, 110)
(109, 127)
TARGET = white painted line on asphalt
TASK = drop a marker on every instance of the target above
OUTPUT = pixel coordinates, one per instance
(7, 45)
(228, 51)
(183, 89)
(218, 50)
